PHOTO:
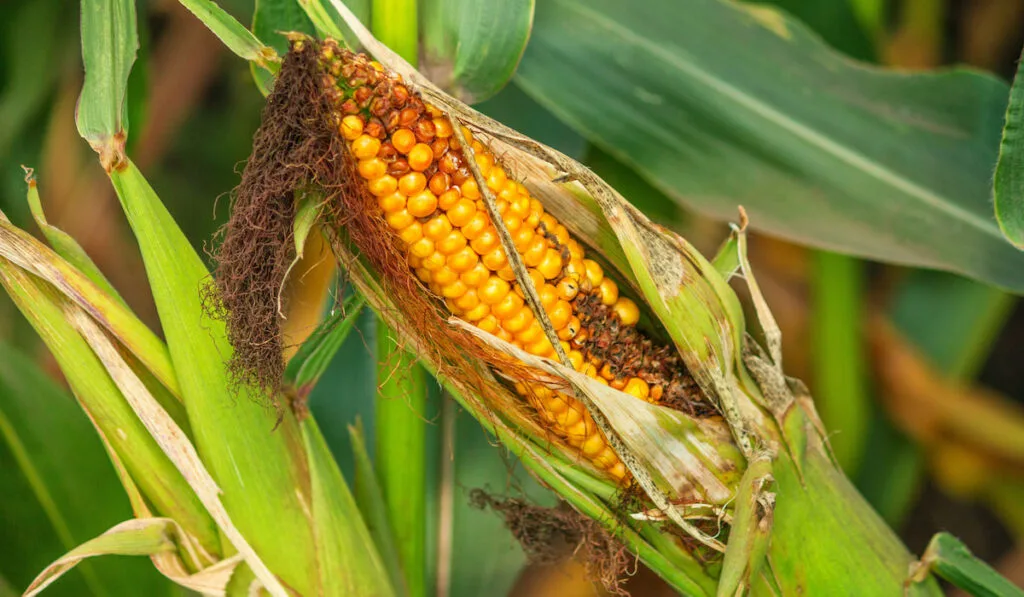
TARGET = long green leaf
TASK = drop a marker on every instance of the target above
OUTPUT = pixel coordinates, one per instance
(148, 466)
(819, 149)
(73, 492)
(472, 47)
(1009, 179)
(235, 36)
(260, 470)
(109, 44)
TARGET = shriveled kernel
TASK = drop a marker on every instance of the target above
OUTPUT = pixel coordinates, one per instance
(656, 393)
(628, 312)
(351, 127)
(437, 227)
(365, 147)
(372, 168)
(403, 140)
(567, 289)
(494, 290)
(420, 157)
(570, 330)
(606, 371)
(440, 183)
(385, 185)
(609, 291)
(422, 204)
(412, 183)
(618, 383)
(638, 387)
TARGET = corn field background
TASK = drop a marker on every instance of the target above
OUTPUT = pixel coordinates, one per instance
(869, 142)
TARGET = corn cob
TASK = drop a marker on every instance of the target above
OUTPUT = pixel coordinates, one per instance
(411, 162)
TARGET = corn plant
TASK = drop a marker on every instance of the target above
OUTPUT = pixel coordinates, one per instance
(614, 360)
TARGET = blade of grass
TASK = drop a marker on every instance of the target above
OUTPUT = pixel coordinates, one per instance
(840, 370)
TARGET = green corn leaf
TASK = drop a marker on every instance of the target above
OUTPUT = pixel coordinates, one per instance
(234, 430)
(401, 452)
(817, 148)
(109, 44)
(162, 485)
(472, 47)
(309, 364)
(950, 559)
(839, 355)
(371, 505)
(71, 492)
(66, 246)
(235, 36)
(348, 559)
(1009, 179)
(272, 17)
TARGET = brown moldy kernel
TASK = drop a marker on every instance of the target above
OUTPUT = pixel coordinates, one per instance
(474, 279)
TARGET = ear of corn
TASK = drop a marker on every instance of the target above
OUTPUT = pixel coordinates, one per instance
(410, 160)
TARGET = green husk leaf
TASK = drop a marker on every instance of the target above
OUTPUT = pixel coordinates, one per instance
(347, 557)
(63, 243)
(233, 432)
(950, 559)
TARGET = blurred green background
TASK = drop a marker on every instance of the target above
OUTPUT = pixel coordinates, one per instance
(917, 372)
